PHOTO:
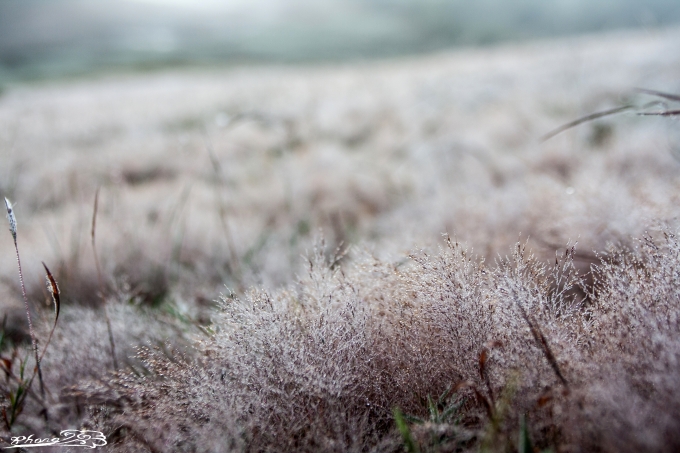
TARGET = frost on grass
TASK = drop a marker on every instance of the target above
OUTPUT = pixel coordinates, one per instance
(320, 366)
(12, 219)
(381, 157)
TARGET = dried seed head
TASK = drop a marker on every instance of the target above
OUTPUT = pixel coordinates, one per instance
(53, 288)
(12, 219)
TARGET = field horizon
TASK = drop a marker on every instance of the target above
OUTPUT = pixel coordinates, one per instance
(65, 38)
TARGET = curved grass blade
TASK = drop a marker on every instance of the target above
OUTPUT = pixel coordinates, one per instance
(53, 288)
(614, 111)
(585, 119)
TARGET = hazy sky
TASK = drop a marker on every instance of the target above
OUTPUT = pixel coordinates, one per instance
(44, 38)
(216, 5)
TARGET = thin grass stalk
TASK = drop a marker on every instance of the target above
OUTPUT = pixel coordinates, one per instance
(585, 119)
(594, 116)
(669, 96)
(26, 390)
(100, 281)
(543, 343)
(53, 288)
(13, 229)
(221, 208)
(29, 392)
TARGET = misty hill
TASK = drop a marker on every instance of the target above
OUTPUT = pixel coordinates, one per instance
(64, 37)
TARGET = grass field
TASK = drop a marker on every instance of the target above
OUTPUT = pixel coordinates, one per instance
(275, 267)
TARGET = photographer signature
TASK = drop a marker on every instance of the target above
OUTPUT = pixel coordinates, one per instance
(67, 438)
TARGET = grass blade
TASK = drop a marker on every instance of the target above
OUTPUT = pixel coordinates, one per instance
(585, 119)
(524, 445)
(53, 288)
(543, 343)
(403, 428)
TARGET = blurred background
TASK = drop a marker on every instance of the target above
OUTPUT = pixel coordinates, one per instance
(61, 38)
(226, 137)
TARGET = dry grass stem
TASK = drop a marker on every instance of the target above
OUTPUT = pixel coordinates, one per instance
(13, 229)
(100, 281)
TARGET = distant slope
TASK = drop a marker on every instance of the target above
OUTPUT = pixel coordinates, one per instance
(40, 38)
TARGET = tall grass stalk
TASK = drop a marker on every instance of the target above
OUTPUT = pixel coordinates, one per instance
(13, 229)
(18, 402)
(220, 186)
(100, 281)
